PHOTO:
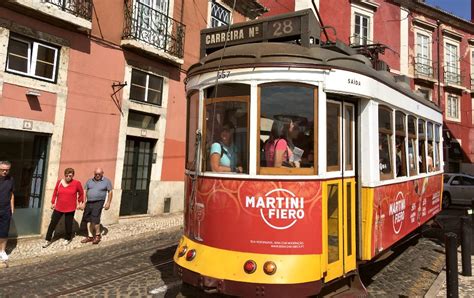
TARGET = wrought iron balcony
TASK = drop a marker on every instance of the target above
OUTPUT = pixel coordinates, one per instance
(452, 75)
(154, 28)
(423, 67)
(79, 8)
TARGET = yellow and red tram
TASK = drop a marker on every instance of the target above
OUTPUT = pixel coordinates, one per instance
(366, 166)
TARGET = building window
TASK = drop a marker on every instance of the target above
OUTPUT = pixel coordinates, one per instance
(452, 73)
(361, 29)
(425, 92)
(423, 61)
(142, 120)
(220, 16)
(32, 58)
(146, 87)
(452, 107)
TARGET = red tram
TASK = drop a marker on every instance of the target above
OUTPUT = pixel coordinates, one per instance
(302, 160)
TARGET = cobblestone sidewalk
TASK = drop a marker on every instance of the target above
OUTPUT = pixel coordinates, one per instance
(26, 251)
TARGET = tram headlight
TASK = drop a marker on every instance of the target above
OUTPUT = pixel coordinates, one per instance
(182, 251)
(190, 255)
(250, 267)
(269, 268)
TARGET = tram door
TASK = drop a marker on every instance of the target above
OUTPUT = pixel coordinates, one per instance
(339, 192)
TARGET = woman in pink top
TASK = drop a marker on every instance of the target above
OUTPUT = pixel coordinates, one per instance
(64, 202)
(277, 152)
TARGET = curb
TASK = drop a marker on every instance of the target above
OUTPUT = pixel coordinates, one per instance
(437, 284)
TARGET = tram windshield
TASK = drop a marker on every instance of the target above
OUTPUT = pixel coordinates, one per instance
(226, 114)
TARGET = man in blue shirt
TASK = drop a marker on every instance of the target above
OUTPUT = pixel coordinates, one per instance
(7, 205)
(98, 195)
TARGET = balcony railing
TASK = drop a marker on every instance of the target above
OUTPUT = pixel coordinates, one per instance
(423, 67)
(154, 28)
(452, 75)
(79, 8)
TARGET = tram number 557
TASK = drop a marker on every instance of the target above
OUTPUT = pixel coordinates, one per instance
(223, 74)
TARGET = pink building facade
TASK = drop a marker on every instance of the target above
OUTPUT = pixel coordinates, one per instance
(431, 47)
(88, 84)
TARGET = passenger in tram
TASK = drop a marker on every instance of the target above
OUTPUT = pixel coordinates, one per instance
(277, 151)
(429, 159)
(223, 153)
(384, 157)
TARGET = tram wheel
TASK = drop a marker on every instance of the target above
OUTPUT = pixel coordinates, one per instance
(446, 200)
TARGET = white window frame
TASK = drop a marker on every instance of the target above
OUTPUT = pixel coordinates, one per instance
(451, 42)
(449, 107)
(428, 56)
(225, 6)
(365, 12)
(148, 74)
(32, 59)
(472, 68)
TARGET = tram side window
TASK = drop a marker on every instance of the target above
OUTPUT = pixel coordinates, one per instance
(385, 143)
(421, 146)
(192, 125)
(430, 158)
(437, 159)
(225, 139)
(401, 154)
(287, 129)
(333, 135)
(412, 155)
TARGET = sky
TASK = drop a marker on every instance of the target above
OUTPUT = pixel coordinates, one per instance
(460, 8)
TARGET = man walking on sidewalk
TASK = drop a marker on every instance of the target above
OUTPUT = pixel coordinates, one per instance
(98, 196)
(7, 206)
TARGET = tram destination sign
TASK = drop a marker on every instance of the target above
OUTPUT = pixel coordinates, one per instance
(298, 26)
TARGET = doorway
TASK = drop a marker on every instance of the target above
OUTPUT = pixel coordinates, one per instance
(136, 176)
(27, 151)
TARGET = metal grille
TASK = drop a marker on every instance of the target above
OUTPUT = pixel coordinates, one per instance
(79, 8)
(452, 74)
(423, 66)
(153, 27)
(219, 15)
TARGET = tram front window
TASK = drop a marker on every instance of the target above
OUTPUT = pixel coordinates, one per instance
(225, 138)
(287, 126)
(192, 125)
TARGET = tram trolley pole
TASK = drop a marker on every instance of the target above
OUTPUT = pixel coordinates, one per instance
(466, 241)
(452, 286)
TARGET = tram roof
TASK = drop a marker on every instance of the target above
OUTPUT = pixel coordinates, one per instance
(271, 54)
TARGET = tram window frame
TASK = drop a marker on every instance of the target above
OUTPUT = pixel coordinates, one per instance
(265, 170)
(400, 144)
(193, 96)
(412, 142)
(349, 142)
(422, 169)
(337, 147)
(225, 93)
(386, 135)
(430, 141)
(436, 152)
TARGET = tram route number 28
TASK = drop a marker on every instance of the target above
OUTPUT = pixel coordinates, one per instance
(284, 27)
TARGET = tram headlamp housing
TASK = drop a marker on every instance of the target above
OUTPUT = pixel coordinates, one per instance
(269, 268)
(182, 251)
(250, 267)
(190, 255)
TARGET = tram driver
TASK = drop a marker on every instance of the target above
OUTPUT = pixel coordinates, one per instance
(223, 153)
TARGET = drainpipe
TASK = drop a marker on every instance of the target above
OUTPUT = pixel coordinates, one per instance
(438, 22)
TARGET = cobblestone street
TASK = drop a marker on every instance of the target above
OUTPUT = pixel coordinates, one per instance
(130, 268)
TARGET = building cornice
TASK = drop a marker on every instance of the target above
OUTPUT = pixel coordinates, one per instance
(452, 34)
(436, 14)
